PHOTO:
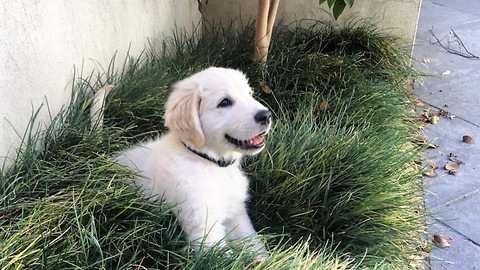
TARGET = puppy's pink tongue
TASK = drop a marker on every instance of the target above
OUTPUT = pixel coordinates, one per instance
(257, 140)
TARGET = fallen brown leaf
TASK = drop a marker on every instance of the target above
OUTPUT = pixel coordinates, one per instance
(431, 166)
(266, 89)
(455, 159)
(324, 106)
(468, 139)
(336, 61)
(424, 116)
(442, 240)
(432, 146)
(431, 174)
(452, 166)
(443, 113)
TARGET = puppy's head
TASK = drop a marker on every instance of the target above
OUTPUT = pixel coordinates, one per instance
(214, 111)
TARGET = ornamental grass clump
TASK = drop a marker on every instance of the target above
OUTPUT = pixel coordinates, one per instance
(337, 186)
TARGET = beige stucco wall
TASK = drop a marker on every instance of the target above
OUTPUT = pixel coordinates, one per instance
(41, 41)
(396, 16)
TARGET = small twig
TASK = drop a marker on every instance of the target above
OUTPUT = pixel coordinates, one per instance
(456, 39)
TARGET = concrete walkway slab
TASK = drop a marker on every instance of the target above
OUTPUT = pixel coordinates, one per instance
(462, 254)
(453, 200)
(457, 90)
(447, 135)
(463, 215)
(464, 6)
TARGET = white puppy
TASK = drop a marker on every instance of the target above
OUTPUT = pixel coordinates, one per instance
(213, 120)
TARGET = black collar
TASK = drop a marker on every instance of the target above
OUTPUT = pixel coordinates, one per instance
(220, 162)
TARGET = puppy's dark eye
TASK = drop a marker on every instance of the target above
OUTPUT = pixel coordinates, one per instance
(224, 103)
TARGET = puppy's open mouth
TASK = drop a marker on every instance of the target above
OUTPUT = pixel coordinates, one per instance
(253, 143)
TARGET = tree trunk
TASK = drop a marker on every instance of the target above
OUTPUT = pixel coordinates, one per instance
(267, 11)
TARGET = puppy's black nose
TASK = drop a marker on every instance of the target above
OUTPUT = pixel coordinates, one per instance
(263, 117)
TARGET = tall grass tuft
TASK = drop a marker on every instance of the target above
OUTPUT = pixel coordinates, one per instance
(336, 188)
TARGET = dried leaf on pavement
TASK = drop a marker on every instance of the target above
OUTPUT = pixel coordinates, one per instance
(452, 166)
(452, 172)
(442, 240)
(431, 174)
(432, 146)
(442, 113)
(468, 139)
(455, 159)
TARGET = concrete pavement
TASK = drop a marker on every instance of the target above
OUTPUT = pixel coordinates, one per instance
(453, 199)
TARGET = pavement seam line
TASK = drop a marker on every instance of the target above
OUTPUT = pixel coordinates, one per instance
(457, 199)
(456, 116)
(458, 232)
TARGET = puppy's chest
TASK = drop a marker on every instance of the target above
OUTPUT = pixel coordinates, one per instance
(229, 185)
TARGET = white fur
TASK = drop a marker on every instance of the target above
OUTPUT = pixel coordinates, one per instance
(209, 199)
(96, 112)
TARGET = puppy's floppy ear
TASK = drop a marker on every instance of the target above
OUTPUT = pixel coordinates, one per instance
(182, 113)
